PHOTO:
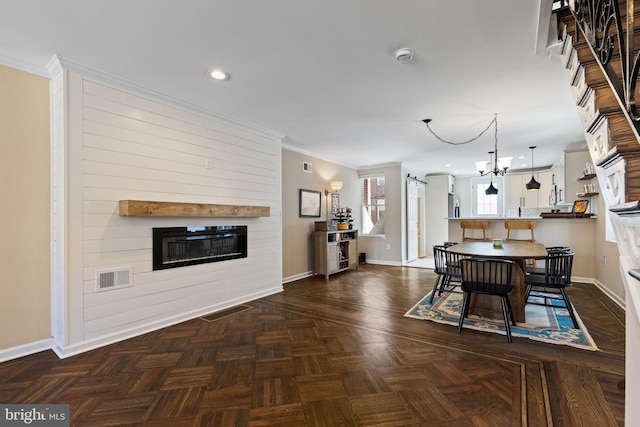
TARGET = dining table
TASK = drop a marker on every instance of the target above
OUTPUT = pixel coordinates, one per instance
(516, 251)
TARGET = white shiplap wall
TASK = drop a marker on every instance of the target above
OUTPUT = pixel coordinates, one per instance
(125, 145)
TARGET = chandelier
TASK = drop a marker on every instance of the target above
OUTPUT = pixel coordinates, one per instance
(500, 164)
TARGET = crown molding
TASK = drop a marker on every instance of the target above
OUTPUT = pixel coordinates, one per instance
(299, 150)
(23, 66)
(54, 66)
(381, 165)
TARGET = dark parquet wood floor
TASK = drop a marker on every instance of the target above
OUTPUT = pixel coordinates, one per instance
(336, 353)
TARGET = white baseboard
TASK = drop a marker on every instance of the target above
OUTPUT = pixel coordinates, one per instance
(578, 279)
(296, 277)
(92, 344)
(383, 262)
(613, 297)
(25, 349)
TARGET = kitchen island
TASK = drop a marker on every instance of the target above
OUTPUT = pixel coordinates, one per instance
(577, 233)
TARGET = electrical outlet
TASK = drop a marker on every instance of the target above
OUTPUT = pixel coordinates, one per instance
(388, 246)
(207, 163)
(604, 260)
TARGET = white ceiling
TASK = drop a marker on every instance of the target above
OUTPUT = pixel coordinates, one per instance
(323, 73)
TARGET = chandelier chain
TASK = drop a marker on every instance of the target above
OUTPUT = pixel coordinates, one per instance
(470, 140)
(495, 120)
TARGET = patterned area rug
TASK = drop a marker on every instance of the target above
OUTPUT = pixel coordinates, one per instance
(547, 324)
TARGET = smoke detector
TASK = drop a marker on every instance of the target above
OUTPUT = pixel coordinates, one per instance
(404, 54)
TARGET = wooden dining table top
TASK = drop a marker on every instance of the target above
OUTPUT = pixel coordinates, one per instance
(509, 250)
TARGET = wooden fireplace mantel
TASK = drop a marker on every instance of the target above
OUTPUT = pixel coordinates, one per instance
(153, 208)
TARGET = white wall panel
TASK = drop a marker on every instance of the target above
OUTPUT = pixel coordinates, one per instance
(135, 147)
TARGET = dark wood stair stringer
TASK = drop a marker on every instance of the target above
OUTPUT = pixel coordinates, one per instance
(622, 136)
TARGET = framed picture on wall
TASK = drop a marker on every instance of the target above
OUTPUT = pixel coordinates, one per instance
(310, 203)
(580, 206)
(335, 203)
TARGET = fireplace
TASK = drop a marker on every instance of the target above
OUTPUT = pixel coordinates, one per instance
(181, 246)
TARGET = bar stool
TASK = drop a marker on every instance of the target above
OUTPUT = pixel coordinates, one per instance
(474, 225)
(520, 225)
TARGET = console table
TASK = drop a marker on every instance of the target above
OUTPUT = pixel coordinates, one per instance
(334, 251)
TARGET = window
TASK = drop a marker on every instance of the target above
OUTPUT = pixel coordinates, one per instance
(372, 193)
(484, 205)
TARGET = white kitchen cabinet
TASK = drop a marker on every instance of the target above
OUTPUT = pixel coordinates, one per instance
(514, 192)
(558, 188)
(519, 197)
(437, 195)
(545, 199)
(517, 194)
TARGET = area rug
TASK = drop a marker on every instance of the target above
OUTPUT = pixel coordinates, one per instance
(547, 324)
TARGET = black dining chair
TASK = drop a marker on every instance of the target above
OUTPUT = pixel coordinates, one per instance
(447, 268)
(550, 249)
(556, 278)
(488, 277)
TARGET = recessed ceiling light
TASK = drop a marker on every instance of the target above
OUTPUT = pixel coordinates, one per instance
(521, 157)
(218, 74)
(447, 165)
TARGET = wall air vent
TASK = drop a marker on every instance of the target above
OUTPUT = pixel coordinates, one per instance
(307, 167)
(114, 278)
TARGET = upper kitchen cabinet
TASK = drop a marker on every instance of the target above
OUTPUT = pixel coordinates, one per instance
(519, 197)
(558, 190)
(545, 194)
(517, 194)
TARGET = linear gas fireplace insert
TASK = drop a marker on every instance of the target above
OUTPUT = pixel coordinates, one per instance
(181, 246)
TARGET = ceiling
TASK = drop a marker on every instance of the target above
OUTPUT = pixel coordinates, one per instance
(324, 73)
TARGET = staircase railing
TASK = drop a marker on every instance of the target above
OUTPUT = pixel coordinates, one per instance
(610, 33)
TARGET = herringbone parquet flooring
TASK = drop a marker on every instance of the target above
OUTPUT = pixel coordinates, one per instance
(335, 353)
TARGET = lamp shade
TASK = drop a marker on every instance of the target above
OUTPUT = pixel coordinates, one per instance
(481, 166)
(336, 185)
(504, 163)
(532, 185)
(491, 190)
